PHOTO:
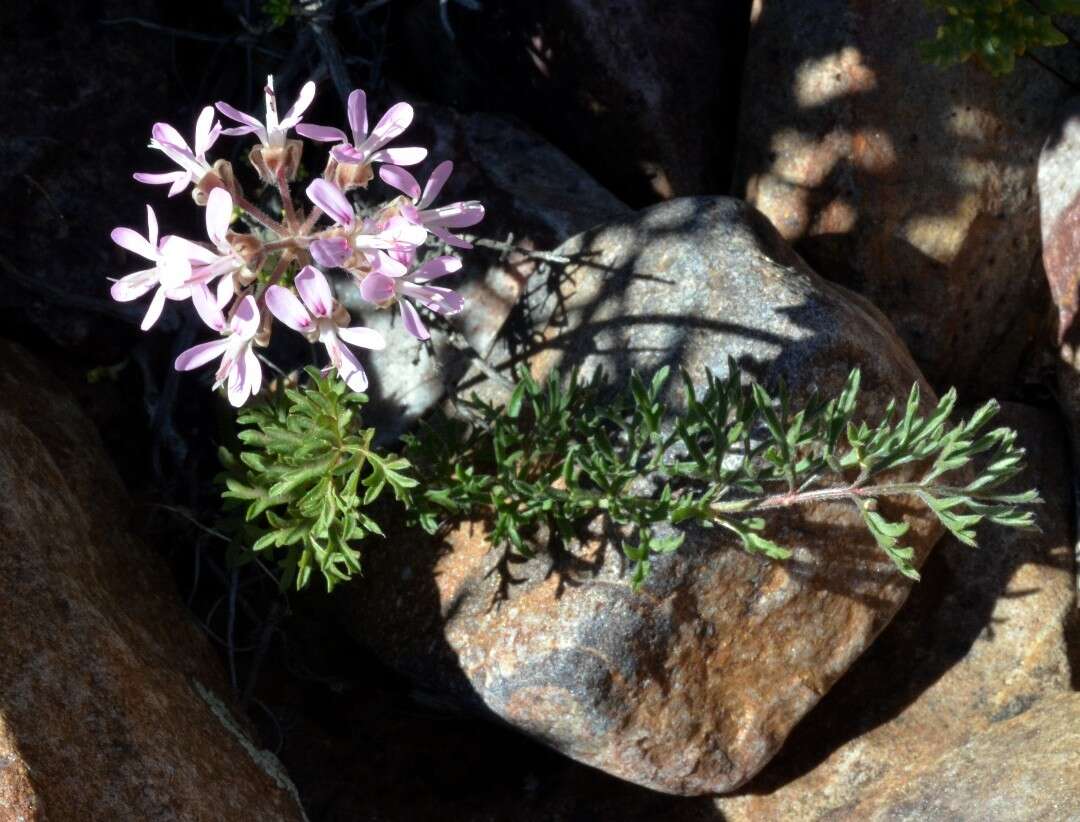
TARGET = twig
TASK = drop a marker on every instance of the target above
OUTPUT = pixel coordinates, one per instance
(243, 39)
(507, 247)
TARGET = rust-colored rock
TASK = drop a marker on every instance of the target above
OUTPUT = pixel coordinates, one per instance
(983, 636)
(911, 184)
(1023, 770)
(107, 688)
(640, 92)
(691, 685)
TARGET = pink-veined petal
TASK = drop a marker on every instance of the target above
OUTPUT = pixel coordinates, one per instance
(455, 215)
(357, 110)
(174, 246)
(436, 182)
(178, 180)
(435, 268)
(219, 208)
(174, 272)
(151, 227)
(402, 231)
(238, 116)
(346, 363)
(330, 199)
(435, 298)
(245, 320)
(204, 130)
(363, 337)
(207, 308)
(451, 240)
(397, 118)
(411, 319)
(134, 242)
(154, 310)
(315, 291)
(400, 179)
(284, 305)
(200, 355)
(133, 285)
(254, 371)
(377, 288)
(224, 291)
(388, 264)
(297, 109)
(169, 136)
(331, 252)
(322, 134)
(238, 389)
(405, 156)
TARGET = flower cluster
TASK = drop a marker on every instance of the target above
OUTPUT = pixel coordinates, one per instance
(239, 282)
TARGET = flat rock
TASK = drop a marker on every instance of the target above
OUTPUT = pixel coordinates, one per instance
(984, 635)
(911, 184)
(691, 685)
(1022, 770)
(107, 688)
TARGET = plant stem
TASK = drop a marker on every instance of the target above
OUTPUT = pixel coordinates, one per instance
(286, 201)
(260, 216)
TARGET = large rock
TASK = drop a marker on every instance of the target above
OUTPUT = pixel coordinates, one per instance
(985, 635)
(639, 92)
(535, 197)
(1059, 219)
(1023, 770)
(691, 685)
(911, 184)
(107, 688)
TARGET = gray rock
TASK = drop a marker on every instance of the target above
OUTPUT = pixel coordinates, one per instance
(691, 685)
(534, 195)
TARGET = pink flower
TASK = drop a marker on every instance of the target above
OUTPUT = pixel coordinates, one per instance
(381, 287)
(207, 264)
(435, 220)
(368, 148)
(192, 162)
(272, 134)
(314, 318)
(239, 365)
(171, 274)
(367, 237)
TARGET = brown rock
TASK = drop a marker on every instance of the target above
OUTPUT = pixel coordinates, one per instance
(640, 92)
(983, 636)
(692, 684)
(911, 184)
(107, 705)
(1025, 769)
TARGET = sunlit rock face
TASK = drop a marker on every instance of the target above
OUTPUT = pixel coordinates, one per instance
(691, 684)
(911, 184)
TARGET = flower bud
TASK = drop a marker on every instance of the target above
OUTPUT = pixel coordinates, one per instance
(269, 160)
(220, 176)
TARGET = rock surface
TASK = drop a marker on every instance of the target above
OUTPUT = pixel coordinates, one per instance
(911, 184)
(983, 636)
(1025, 769)
(1059, 219)
(639, 92)
(692, 684)
(534, 195)
(107, 706)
